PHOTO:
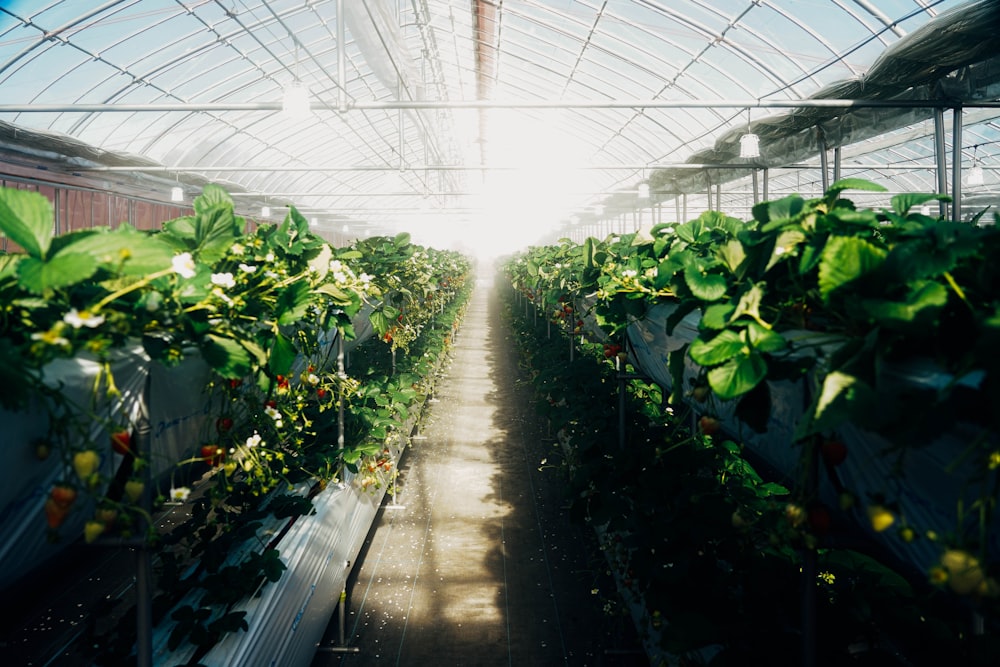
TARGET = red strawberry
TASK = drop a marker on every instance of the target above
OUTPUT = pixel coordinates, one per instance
(63, 495)
(709, 425)
(121, 442)
(834, 452)
(223, 424)
(213, 454)
(55, 513)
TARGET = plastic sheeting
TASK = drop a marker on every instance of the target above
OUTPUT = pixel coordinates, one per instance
(950, 57)
(25, 480)
(289, 617)
(927, 490)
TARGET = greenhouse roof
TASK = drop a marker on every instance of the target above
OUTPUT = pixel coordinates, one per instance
(504, 120)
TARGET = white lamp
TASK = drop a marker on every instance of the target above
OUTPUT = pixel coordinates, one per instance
(644, 190)
(295, 102)
(265, 211)
(749, 142)
(975, 176)
(177, 193)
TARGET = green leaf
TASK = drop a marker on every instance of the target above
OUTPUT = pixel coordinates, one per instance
(923, 304)
(282, 355)
(785, 246)
(845, 259)
(749, 303)
(320, 264)
(26, 218)
(38, 276)
(125, 250)
(717, 316)
(293, 303)
(722, 347)
(853, 184)
(764, 340)
(842, 398)
(212, 196)
(705, 286)
(732, 254)
(230, 359)
(737, 376)
(779, 210)
(675, 363)
(339, 296)
(215, 232)
(902, 203)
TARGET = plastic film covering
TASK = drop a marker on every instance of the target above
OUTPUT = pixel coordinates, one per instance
(932, 483)
(177, 415)
(952, 56)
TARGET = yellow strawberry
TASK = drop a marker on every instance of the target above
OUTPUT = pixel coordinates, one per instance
(880, 517)
(92, 530)
(85, 464)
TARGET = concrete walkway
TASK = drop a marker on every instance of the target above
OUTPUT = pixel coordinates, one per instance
(479, 563)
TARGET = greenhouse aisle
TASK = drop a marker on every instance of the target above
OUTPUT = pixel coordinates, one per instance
(477, 562)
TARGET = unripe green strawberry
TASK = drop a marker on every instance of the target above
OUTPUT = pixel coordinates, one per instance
(85, 464)
(134, 489)
(92, 530)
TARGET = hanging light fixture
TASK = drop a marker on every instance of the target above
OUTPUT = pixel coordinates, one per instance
(295, 101)
(265, 211)
(975, 176)
(749, 142)
(644, 190)
(177, 193)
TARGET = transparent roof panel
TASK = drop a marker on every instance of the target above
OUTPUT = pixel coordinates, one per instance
(445, 115)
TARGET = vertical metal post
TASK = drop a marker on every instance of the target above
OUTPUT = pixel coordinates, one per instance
(941, 158)
(823, 159)
(836, 164)
(341, 373)
(677, 209)
(143, 561)
(621, 396)
(718, 196)
(341, 59)
(756, 188)
(767, 178)
(956, 164)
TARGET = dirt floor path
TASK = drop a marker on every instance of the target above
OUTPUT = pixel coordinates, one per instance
(478, 563)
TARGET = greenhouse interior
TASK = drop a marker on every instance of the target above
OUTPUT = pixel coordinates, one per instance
(500, 332)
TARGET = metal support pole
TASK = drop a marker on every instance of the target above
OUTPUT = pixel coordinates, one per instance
(956, 164)
(767, 177)
(823, 159)
(621, 396)
(342, 375)
(941, 158)
(756, 186)
(143, 560)
(836, 164)
(341, 59)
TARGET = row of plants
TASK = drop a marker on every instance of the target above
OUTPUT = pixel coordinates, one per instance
(831, 297)
(263, 312)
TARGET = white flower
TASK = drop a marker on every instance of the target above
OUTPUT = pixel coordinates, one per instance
(217, 291)
(269, 257)
(312, 379)
(49, 337)
(340, 277)
(183, 265)
(272, 413)
(237, 249)
(180, 494)
(365, 278)
(82, 318)
(271, 274)
(223, 280)
(336, 265)
(254, 440)
(629, 273)
(247, 268)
